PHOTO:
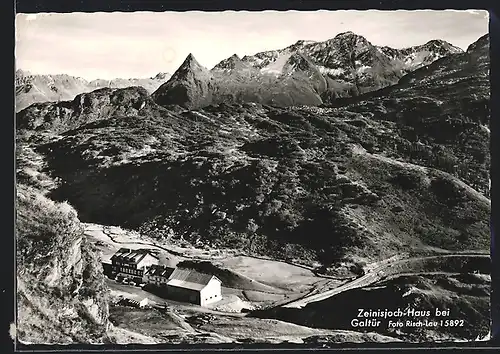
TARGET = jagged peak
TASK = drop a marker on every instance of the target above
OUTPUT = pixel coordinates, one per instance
(433, 44)
(160, 76)
(436, 41)
(190, 60)
(440, 43)
(229, 63)
(304, 41)
(348, 36)
(190, 65)
(301, 43)
(346, 33)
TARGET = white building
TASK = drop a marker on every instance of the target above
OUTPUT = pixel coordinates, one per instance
(188, 285)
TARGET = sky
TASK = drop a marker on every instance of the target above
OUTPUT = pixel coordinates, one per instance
(141, 44)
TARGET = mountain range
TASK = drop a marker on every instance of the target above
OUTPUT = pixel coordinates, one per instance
(305, 73)
(45, 88)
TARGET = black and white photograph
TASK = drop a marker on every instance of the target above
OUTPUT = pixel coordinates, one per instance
(252, 177)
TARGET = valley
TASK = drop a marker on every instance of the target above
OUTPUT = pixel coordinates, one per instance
(292, 288)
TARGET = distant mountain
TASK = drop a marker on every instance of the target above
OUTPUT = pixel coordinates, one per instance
(305, 73)
(191, 84)
(49, 88)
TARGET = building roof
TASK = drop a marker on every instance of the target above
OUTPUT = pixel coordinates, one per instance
(185, 284)
(159, 270)
(189, 279)
(131, 256)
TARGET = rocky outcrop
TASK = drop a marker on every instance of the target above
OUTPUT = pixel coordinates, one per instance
(85, 108)
(62, 297)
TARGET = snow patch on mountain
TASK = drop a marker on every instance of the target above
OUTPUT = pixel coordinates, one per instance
(276, 67)
(331, 71)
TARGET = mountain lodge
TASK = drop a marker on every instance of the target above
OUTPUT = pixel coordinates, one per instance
(182, 284)
(132, 263)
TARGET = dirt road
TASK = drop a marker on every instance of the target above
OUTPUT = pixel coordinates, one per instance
(376, 274)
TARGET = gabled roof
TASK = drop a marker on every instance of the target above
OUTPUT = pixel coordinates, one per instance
(189, 279)
(159, 270)
(131, 256)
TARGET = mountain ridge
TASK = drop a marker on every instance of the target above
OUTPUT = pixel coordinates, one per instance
(348, 65)
(39, 88)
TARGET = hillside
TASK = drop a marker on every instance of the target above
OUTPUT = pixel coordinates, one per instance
(61, 294)
(466, 296)
(408, 169)
(49, 88)
(305, 73)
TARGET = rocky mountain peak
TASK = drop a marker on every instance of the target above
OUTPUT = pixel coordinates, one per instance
(348, 36)
(441, 46)
(189, 86)
(189, 67)
(345, 65)
(233, 62)
(300, 44)
(161, 76)
(190, 63)
(304, 41)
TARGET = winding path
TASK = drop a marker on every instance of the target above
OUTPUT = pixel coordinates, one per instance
(373, 276)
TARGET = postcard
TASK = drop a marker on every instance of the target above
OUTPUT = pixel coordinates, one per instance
(253, 177)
